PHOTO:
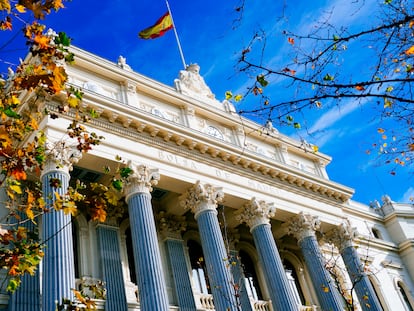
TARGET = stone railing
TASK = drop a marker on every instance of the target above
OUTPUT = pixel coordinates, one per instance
(262, 305)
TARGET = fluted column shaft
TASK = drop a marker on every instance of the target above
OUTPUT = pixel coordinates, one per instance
(58, 278)
(279, 289)
(322, 281)
(110, 260)
(148, 265)
(363, 287)
(182, 283)
(238, 277)
(27, 296)
(171, 227)
(303, 228)
(202, 200)
(257, 215)
(342, 236)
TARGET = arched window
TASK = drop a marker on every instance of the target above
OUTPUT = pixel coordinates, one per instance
(404, 296)
(378, 292)
(376, 233)
(250, 277)
(198, 267)
(130, 255)
(294, 282)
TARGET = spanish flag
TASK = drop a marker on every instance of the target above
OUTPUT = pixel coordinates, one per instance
(161, 26)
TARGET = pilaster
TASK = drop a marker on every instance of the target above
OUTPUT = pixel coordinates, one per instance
(303, 227)
(111, 265)
(343, 237)
(256, 214)
(150, 277)
(202, 200)
(58, 277)
(171, 227)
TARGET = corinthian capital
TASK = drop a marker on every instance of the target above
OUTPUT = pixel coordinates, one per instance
(60, 157)
(255, 213)
(201, 197)
(303, 225)
(171, 225)
(343, 235)
(141, 179)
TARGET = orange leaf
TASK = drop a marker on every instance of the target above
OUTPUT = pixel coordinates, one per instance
(291, 40)
(360, 88)
(410, 51)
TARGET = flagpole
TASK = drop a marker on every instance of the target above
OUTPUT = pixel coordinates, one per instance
(176, 36)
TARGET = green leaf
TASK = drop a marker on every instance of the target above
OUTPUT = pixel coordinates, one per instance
(62, 39)
(117, 184)
(336, 38)
(125, 172)
(11, 113)
(296, 125)
(328, 77)
(289, 118)
(262, 80)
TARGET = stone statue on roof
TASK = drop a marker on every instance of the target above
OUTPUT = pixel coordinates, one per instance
(190, 82)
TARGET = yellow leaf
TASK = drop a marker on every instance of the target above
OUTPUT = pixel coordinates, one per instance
(70, 208)
(380, 130)
(73, 102)
(112, 197)
(5, 5)
(411, 24)
(410, 51)
(16, 188)
(20, 8)
(315, 148)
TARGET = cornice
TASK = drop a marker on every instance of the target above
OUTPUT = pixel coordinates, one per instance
(153, 130)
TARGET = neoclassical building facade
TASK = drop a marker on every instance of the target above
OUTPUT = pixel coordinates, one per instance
(220, 212)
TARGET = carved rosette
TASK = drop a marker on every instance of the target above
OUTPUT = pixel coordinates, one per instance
(141, 180)
(201, 197)
(171, 226)
(343, 235)
(256, 213)
(60, 157)
(303, 225)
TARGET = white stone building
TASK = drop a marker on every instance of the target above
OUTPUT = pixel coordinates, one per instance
(239, 218)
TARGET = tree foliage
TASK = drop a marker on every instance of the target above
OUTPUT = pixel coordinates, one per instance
(316, 72)
(24, 147)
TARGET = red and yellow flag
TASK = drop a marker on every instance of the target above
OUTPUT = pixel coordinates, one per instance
(161, 26)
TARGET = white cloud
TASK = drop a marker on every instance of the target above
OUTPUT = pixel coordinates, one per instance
(407, 196)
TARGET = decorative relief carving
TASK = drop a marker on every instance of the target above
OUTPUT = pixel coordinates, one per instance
(60, 156)
(255, 213)
(141, 180)
(303, 225)
(171, 225)
(201, 197)
(190, 82)
(343, 235)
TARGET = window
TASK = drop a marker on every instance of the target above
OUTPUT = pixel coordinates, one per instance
(376, 233)
(294, 282)
(130, 254)
(250, 277)
(378, 292)
(404, 296)
(75, 239)
(198, 267)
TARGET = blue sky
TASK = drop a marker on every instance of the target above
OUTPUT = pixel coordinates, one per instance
(211, 38)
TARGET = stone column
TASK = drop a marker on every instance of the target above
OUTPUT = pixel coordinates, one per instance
(171, 227)
(27, 296)
(58, 278)
(256, 214)
(202, 200)
(148, 265)
(342, 237)
(111, 265)
(303, 227)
